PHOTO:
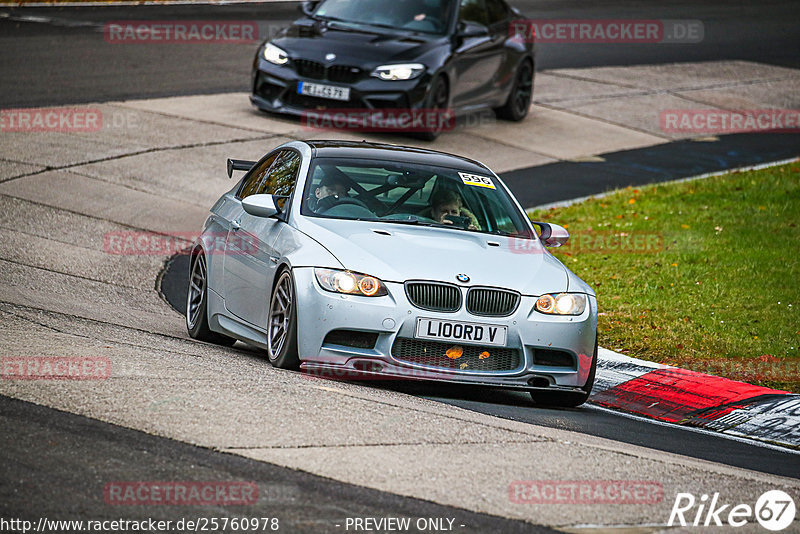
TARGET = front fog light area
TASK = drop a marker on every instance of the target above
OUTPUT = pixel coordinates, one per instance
(561, 304)
(350, 283)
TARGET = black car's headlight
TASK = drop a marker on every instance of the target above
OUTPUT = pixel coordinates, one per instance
(350, 283)
(404, 71)
(561, 303)
(276, 55)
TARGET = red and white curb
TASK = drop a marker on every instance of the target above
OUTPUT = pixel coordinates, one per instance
(689, 398)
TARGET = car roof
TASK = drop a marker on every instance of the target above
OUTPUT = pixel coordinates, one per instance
(387, 152)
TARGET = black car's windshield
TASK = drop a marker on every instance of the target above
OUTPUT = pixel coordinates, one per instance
(427, 16)
(408, 193)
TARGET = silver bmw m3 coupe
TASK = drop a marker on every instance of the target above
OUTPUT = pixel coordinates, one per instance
(363, 260)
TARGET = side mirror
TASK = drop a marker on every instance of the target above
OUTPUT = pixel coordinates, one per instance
(260, 205)
(552, 235)
(472, 29)
(308, 7)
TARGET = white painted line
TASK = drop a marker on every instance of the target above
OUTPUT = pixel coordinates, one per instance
(749, 441)
(565, 203)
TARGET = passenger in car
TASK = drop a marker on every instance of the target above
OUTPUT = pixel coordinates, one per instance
(446, 205)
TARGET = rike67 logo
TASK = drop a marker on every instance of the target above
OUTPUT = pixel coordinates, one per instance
(774, 510)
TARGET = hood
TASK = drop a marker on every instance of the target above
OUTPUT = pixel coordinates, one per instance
(416, 252)
(312, 40)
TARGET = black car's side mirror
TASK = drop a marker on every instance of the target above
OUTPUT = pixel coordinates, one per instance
(472, 29)
(308, 7)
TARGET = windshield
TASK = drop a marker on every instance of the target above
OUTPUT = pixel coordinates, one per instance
(427, 16)
(407, 193)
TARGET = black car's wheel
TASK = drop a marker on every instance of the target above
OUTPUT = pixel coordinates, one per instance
(438, 99)
(568, 399)
(519, 100)
(282, 323)
(197, 304)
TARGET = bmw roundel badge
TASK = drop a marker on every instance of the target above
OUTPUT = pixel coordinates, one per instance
(462, 277)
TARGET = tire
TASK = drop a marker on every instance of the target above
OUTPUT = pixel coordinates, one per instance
(519, 99)
(282, 323)
(568, 399)
(438, 99)
(197, 304)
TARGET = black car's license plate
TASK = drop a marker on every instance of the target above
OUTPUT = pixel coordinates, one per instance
(324, 91)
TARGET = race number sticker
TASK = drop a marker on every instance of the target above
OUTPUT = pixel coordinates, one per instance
(474, 179)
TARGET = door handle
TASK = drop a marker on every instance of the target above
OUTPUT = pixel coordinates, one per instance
(235, 225)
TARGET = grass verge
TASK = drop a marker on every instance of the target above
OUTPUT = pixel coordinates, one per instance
(704, 275)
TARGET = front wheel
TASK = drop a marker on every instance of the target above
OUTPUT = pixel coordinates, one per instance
(568, 399)
(437, 104)
(282, 324)
(197, 304)
(519, 100)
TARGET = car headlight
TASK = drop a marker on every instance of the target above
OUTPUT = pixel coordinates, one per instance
(276, 55)
(405, 71)
(561, 304)
(350, 283)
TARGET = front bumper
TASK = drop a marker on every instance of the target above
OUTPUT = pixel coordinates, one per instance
(393, 317)
(274, 88)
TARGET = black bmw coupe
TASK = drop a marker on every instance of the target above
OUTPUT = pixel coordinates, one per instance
(454, 55)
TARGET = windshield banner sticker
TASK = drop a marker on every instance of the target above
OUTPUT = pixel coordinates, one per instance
(474, 179)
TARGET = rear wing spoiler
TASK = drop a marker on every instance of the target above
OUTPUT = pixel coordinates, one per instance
(239, 165)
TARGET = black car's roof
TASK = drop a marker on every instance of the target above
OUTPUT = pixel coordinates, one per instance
(366, 150)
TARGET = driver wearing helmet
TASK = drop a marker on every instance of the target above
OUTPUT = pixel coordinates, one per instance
(328, 193)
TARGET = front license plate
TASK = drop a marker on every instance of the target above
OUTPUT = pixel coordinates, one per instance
(324, 91)
(480, 334)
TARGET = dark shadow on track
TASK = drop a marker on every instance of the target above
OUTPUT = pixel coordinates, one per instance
(81, 455)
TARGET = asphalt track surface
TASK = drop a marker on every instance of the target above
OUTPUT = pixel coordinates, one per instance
(60, 56)
(66, 460)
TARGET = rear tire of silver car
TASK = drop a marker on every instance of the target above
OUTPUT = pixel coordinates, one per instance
(197, 304)
(438, 100)
(282, 323)
(568, 399)
(519, 99)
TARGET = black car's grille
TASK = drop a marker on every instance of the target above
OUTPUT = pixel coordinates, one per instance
(309, 69)
(343, 73)
(332, 73)
(472, 358)
(434, 297)
(491, 302)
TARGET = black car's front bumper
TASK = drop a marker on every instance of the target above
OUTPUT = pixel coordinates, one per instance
(274, 88)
